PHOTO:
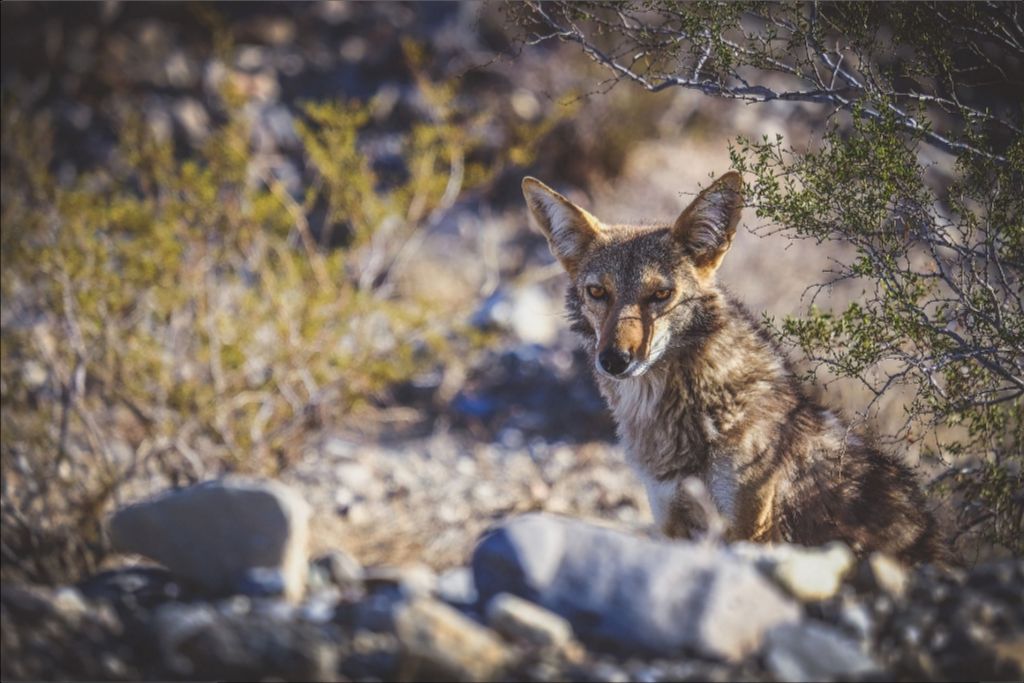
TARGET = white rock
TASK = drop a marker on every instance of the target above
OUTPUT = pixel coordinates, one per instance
(338, 448)
(809, 574)
(34, 374)
(192, 117)
(359, 479)
(527, 312)
(70, 603)
(888, 574)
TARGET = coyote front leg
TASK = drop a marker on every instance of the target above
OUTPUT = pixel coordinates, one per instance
(754, 518)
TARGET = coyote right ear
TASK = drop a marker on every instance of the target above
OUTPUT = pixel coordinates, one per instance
(569, 228)
(706, 227)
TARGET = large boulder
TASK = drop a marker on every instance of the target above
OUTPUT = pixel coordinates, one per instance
(222, 535)
(632, 594)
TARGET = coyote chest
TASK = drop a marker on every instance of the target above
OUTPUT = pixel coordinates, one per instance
(666, 439)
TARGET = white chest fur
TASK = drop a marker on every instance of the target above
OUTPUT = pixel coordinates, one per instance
(634, 401)
(648, 436)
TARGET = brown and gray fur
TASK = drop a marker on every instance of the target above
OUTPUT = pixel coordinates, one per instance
(698, 388)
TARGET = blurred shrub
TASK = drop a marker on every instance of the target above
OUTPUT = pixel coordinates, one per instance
(168, 318)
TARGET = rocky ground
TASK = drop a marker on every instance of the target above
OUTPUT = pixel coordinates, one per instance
(542, 597)
(427, 500)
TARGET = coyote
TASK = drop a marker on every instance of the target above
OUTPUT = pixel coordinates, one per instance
(698, 388)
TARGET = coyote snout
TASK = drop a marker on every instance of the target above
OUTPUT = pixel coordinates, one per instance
(620, 347)
(628, 343)
(709, 395)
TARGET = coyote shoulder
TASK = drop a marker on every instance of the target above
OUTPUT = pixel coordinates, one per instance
(698, 388)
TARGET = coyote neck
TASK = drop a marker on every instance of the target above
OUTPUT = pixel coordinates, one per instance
(701, 400)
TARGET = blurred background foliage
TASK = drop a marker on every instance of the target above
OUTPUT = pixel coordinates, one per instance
(173, 309)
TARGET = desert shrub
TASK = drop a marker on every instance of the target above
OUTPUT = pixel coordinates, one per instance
(170, 318)
(918, 168)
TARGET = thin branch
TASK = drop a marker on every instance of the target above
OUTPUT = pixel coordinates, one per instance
(843, 98)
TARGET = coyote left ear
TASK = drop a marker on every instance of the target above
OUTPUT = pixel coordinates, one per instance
(569, 229)
(706, 227)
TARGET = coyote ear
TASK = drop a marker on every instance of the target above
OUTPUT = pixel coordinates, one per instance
(569, 228)
(706, 227)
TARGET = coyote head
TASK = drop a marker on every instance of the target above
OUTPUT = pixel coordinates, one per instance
(638, 291)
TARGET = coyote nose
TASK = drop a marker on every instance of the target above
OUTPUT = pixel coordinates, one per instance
(614, 361)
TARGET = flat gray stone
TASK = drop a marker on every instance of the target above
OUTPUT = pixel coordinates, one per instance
(631, 594)
(215, 534)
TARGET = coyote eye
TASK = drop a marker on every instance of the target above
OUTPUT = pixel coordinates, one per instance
(597, 292)
(661, 295)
